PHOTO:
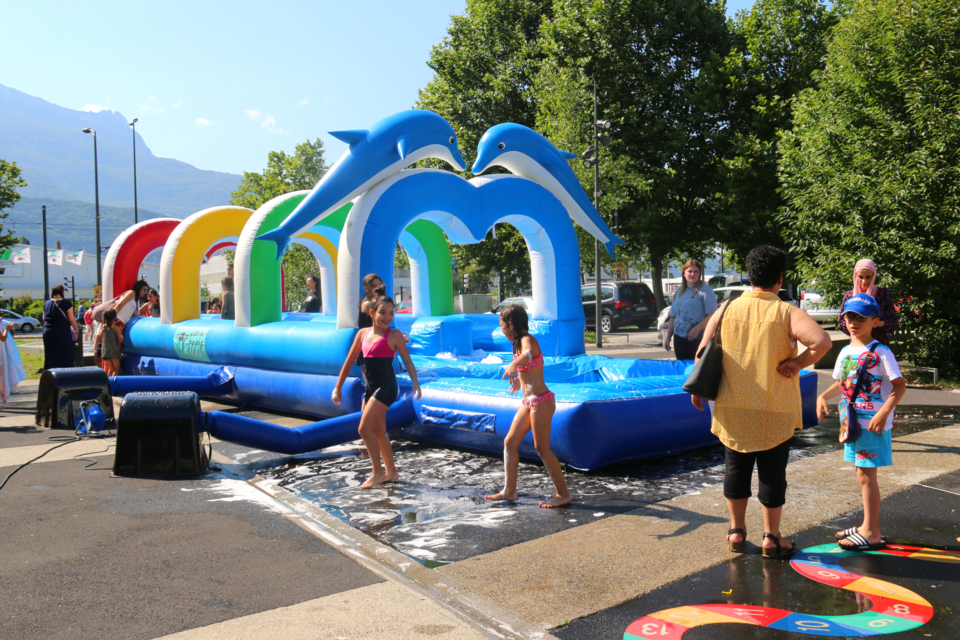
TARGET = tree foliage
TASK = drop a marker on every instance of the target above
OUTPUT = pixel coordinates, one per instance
(872, 166)
(777, 46)
(656, 64)
(10, 181)
(283, 174)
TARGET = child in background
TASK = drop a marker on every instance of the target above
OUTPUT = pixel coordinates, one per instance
(536, 409)
(881, 390)
(227, 312)
(111, 340)
(154, 311)
(379, 345)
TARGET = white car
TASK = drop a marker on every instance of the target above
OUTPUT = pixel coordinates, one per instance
(732, 293)
(812, 302)
(21, 323)
(524, 301)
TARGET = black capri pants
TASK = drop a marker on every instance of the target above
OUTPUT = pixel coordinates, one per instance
(771, 471)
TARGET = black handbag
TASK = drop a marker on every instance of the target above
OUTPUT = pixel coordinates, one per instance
(849, 422)
(704, 380)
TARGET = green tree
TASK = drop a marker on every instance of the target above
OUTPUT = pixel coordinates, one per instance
(657, 64)
(298, 263)
(283, 174)
(778, 45)
(872, 167)
(10, 181)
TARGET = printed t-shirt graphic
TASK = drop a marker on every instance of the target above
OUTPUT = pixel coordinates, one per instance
(877, 380)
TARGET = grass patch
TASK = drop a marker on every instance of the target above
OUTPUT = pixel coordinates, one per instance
(590, 337)
(31, 362)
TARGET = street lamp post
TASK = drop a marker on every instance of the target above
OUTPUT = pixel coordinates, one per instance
(96, 192)
(591, 158)
(135, 215)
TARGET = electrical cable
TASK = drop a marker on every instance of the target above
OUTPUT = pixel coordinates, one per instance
(4, 483)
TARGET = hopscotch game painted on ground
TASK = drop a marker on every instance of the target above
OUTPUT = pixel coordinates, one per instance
(894, 608)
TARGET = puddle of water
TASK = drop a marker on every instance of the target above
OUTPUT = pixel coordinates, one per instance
(437, 512)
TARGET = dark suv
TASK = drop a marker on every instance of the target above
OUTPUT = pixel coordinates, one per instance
(623, 303)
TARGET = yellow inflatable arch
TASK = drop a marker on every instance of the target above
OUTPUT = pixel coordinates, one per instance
(183, 253)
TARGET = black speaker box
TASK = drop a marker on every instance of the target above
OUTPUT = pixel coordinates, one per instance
(62, 390)
(159, 434)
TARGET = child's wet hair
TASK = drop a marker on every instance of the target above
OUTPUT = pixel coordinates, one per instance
(381, 297)
(515, 317)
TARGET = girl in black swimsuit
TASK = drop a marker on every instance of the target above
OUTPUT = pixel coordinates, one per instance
(379, 344)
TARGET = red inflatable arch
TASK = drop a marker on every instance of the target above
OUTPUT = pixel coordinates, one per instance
(122, 265)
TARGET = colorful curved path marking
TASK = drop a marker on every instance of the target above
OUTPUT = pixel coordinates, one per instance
(894, 609)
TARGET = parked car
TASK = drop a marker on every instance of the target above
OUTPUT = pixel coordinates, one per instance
(524, 301)
(622, 303)
(812, 302)
(725, 280)
(732, 293)
(404, 306)
(20, 323)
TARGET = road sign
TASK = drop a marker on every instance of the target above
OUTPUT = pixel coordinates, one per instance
(619, 266)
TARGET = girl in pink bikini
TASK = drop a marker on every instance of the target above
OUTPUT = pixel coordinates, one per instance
(536, 409)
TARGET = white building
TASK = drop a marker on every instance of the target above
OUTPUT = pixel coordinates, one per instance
(27, 279)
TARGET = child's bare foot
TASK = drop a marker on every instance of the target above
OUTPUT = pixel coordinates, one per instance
(503, 496)
(556, 502)
(374, 480)
(392, 477)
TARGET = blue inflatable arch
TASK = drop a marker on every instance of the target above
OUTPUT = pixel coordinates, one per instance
(466, 211)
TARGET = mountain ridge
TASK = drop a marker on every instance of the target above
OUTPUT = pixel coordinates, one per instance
(56, 160)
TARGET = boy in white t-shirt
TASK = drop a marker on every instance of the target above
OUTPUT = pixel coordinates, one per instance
(880, 392)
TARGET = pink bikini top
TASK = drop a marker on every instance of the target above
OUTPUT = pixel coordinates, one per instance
(377, 349)
(536, 363)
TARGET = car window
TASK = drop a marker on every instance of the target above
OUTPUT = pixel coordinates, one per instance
(589, 294)
(715, 281)
(733, 294)
(606, 293)
(522, 302)
(634, 293)
(6, 314)
(785, 296)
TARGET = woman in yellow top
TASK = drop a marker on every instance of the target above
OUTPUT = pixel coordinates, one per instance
(758, 404)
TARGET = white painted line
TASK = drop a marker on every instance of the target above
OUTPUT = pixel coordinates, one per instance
(954, 493)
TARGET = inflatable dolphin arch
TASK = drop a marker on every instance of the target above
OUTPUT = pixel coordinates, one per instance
(368, 202)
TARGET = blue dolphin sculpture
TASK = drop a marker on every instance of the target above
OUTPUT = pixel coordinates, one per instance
(526, 153)
(388, 147)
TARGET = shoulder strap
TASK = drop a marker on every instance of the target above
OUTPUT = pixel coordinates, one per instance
(716, 332)
(860, 371)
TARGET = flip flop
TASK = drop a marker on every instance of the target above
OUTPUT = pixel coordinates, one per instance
(778, 553)
(861, 544)
(854, 530)
(737, 547)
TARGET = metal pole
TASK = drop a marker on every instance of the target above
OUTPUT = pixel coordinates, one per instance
(136, 217)
(596, 203)
(46, 270)
(96, 192)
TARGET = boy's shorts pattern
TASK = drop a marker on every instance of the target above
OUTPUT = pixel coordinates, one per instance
(870, 450)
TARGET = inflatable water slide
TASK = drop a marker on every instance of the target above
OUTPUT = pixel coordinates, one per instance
(608, 410)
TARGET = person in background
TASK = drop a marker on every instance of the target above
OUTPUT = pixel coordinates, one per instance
(140, 291)
(152, 298)
(690, 312)
(81, 310)
(111, 341)
(758, 404)
(57, 320)
(214, 305)
(865, 281)
(154, 311)
(312, 302)
(227, 311)
(229, 269)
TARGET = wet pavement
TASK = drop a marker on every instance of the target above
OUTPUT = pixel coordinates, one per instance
(926, 515)
(437, 513)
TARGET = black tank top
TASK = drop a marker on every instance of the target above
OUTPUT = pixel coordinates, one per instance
(363, 319)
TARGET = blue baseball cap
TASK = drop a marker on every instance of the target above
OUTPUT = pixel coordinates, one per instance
(863, 304)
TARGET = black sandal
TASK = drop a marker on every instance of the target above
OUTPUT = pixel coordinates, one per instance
(737, 547)
(778, 553)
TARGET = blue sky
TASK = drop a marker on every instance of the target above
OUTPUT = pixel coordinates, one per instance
(221, 84)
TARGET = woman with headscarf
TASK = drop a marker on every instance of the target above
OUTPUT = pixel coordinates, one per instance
(865, 281)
